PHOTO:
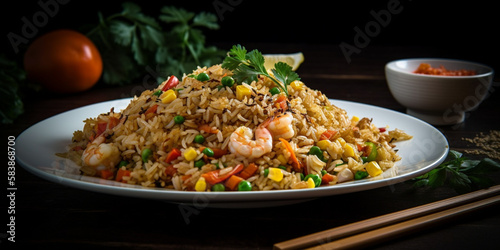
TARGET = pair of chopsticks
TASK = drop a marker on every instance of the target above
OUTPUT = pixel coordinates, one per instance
(385, 227)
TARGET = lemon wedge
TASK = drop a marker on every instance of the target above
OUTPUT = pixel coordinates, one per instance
(294, 60)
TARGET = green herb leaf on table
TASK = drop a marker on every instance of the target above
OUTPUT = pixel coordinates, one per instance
(130, 42)
(460, 173)
(11, 78)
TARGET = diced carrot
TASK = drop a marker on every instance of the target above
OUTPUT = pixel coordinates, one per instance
(172, 155)
(101, 127)
(327, 135)
(281, 100)
(106, 174)
(170, 170)
(295, 162)
(232, 182)
(326, 178)
(151, 110)
(122, 172)
(213, 177)
(208, 129)
(248, 171)
(113, 121)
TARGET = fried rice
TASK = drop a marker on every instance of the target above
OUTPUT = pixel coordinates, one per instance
(160, 140)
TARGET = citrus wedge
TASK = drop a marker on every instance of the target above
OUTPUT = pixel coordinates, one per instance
(294, 60)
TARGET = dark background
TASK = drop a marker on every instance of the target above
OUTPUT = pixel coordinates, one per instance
(453, 29)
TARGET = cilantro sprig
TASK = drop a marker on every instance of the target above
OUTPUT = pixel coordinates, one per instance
(248, 66)
(460, 173)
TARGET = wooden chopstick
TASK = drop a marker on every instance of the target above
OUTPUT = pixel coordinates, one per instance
(385, 233)
(429, 213)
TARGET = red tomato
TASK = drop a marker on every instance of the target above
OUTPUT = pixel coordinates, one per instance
(63, 61)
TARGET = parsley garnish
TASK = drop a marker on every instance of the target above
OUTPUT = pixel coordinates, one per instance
(248, 66)
(460, 173)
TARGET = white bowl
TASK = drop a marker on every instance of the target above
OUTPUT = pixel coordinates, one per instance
(438, 100)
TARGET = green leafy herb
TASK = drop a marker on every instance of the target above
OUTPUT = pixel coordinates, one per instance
(248, 66)
(460, 173)
(130, 41)
(11, 78)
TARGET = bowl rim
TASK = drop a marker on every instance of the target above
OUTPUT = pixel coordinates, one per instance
(489, 69)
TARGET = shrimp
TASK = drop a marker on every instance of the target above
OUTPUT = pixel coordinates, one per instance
(281, 126)
(99, 154)
(241, 143)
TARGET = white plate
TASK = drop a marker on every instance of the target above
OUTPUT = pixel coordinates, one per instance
(36, 148)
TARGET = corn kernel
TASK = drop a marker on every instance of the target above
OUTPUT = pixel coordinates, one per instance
(282, 159)
(373, 168)
(190, 154)
(341, 141)
(201, 185)
(323, 144)
(310, 183)
(355, 119)
(275, 174)
(349, 150)
(242, 92)
(297, 85)
(168, 96)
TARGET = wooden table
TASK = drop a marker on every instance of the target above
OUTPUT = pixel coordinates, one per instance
(52, 215)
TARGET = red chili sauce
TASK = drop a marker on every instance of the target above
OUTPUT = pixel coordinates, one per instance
(426, 69)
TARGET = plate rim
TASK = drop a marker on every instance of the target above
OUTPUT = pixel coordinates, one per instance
(215, 198)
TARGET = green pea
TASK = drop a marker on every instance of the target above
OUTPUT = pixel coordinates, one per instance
(199, 139)
(315, 177)
(315, 150)
(323, 172)
(275, 91)
(122, 164)
(199, 163)
(282, 167)
(202, 77)
(146, 153)
(227, 81)
(244, 186)
(360, 175)
(208, 152)
(220, 87)
(302, 177)
(219, 187)
(179, 119)
(266, 172)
